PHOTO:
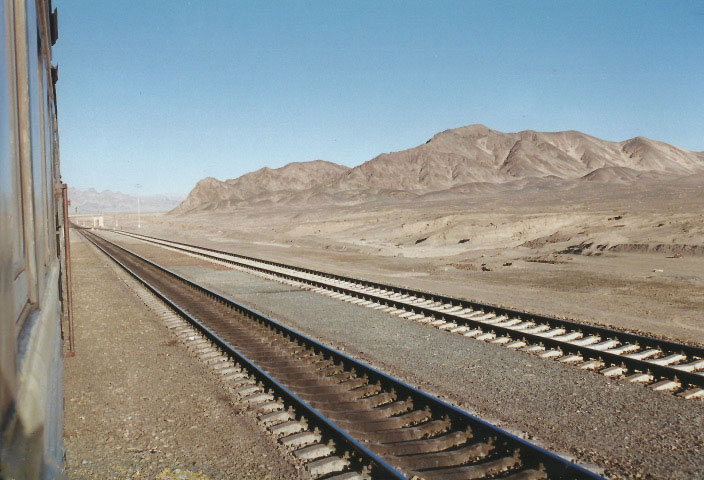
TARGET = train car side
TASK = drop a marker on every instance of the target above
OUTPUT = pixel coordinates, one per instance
(32, 275)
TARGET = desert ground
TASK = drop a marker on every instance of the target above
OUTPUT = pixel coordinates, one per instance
(630, 256)
(622, 253)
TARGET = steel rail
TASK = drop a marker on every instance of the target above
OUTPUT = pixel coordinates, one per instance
(313, 416)
(694, 379)
(690, 350)
(555, 466)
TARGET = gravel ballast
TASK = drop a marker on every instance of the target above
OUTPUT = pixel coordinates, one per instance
(138, 405)
(625, 429)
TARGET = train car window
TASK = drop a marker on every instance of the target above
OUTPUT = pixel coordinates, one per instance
(49, 196)
(7, 212)
(37, 146)
(7, 196)
(26, 87)
(42, 181)
(11, 213)
(7, 333)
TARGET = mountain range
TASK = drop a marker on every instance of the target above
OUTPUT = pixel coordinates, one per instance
(463, 160)
(91, 201)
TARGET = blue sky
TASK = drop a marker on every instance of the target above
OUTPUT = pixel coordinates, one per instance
(164, 93)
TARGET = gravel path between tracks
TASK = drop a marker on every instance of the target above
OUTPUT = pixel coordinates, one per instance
(652, 293)
(138, 405)
(628, 430)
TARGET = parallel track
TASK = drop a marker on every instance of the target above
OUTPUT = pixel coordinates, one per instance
(662, 364)
(383, 427)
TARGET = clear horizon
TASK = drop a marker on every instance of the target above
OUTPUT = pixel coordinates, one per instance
(163, 94)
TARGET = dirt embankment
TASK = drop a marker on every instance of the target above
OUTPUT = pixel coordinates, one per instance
(672, 249)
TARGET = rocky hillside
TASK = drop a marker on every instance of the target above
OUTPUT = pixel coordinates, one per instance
(211, 193)
(466, 159)
(91, 201)
(478, 154)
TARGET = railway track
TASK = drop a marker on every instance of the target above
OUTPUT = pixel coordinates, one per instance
(349, 420)
(660, 364)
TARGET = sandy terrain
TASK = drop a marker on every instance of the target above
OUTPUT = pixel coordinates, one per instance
(600, 253)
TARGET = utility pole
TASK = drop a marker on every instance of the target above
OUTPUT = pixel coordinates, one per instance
(139, 220)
